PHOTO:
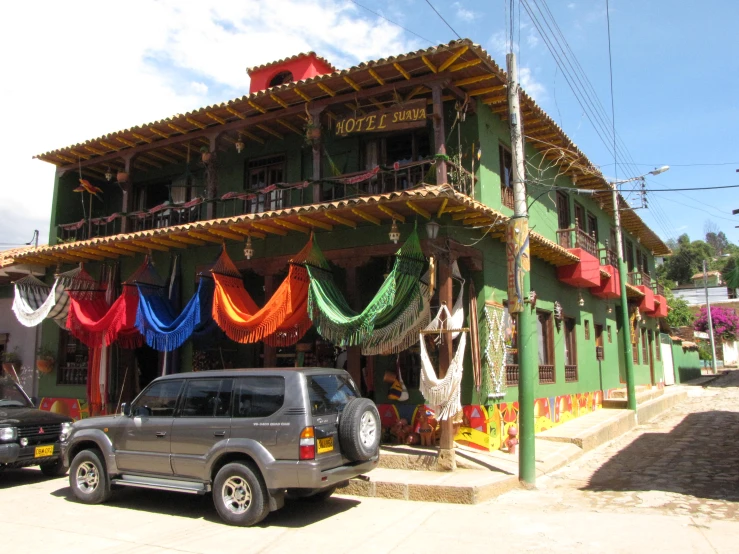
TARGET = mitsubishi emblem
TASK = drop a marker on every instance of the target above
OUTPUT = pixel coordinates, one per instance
(41, 431)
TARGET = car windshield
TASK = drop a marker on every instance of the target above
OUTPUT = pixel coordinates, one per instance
(329, 393)
(11, 396)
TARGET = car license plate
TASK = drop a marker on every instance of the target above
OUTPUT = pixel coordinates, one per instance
(44, 451)
(325, 445)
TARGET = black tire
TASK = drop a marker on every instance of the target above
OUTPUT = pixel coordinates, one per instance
(311, 495)
(359, 430)
(232, 483)
(53, 469)
(88, 477)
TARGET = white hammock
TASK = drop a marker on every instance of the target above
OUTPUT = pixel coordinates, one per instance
(35, 301)
(445, 394)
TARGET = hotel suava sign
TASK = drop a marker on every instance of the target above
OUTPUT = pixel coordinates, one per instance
(409, 115)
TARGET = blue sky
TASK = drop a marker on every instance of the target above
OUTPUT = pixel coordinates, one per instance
(86, 68)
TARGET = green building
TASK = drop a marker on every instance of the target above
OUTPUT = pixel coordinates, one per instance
(419, 142)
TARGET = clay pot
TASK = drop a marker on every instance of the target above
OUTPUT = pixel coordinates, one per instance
(122, 177)
(45, 365)
(206, 156)
(11, 368)
(314, 133)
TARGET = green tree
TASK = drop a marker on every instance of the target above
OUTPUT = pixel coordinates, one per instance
(687, 260)
(679, 314)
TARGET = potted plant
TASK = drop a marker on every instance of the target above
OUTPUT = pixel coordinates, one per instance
(312, 132)
(45, 359)
(122, 177)
(11, 360)
(205, 154)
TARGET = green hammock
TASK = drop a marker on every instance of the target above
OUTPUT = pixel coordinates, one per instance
(400, 298)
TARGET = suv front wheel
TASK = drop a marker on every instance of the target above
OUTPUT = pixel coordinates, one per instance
(88, 477)
(240, 495)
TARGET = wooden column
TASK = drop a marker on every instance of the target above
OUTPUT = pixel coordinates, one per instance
(270, 352)
(354, 353)
(439, 137)
(446, 443)
(127, 197)
(211, 178)
(317, 141)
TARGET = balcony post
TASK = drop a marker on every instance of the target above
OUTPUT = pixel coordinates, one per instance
(211, 177)
(127, 195)
(439, 139)
(446, 458)
(317, 142)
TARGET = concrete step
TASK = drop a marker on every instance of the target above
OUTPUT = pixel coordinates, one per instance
(464, 486)
(618, 399)
(424, 458)
(592, 430)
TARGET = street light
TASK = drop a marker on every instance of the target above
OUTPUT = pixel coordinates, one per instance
(628, 356)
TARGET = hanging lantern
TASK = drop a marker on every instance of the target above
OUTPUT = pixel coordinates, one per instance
(394, 234)
(239, 144)
(248, 250)
(108, 174)
(581, 301)
(432, 229)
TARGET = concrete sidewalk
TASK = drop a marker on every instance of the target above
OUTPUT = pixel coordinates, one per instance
(406, 473)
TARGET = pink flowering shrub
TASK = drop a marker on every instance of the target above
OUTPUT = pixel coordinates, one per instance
(725, 322)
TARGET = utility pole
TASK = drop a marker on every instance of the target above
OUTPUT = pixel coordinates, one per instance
(710, 319)
(625, 324)
(519, 285)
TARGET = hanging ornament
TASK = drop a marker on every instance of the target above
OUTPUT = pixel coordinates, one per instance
(108, 174)
(581, 300)
(239, 144)
(248, 250)
(394, 233)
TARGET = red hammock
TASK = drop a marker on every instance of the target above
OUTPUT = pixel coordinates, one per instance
(282, 321)
(92, 322)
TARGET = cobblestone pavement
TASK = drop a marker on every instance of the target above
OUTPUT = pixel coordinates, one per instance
(685, 462)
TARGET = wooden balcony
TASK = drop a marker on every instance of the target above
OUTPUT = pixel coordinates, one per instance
(511, 374)
(570, 373)
(608, 257)
(659, 289)
(396, 178)
(506, 196)
(575, 237)
(637, 278)
(546, 374)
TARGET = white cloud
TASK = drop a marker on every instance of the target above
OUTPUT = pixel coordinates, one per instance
(462, 13)
(571, 5)
(534, 88)
(78, 72)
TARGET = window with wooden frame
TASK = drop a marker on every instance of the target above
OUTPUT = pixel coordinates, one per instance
(593, 226)
(510, 323)
(629, 254)
(658, 348)
(635, 353)
(644, 347)
(610, 337)
(580, 220)
(150, 195)
(72, 358)
(599, 350)
(645, 263)
(586, 324)
(563, 210)
(262, 173)
(546, 346)
(570, 350)
(506, 176)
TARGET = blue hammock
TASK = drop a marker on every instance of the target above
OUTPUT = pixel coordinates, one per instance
(164, 330)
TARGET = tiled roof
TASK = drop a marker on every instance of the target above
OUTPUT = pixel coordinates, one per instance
(8, 257)
(251, 70)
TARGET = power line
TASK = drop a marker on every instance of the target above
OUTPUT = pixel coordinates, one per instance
(392, 22)
(444, 20)
(681, 165)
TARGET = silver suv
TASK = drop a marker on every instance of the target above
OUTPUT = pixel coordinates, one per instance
(249, 436)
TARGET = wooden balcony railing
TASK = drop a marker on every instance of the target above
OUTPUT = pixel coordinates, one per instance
(273, 197)
(640, 278)
(570, 373)
(659, 289)
(506, 196)
(608, 257)
(546, 374)
(575, 237)
(511, 374)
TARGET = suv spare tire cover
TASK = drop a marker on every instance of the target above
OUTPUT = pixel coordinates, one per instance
(354, 445)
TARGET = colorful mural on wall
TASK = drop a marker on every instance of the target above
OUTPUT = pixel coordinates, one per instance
(72, 407)
(486, 428)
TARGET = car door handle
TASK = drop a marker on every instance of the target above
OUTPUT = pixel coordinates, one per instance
(219, 434)
(161, 434)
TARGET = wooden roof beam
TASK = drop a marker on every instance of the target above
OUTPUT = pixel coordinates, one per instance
(338, 219)
(315, 223)
(291, 226)
(225, 234)
(247, 231)
(453, 58)
(269, 229)
(204, 237)
(150, 245)
(402, 71)
(184, 239)
(392, 213)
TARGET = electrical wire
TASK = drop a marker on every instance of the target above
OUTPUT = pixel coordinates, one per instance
(392, 22)
(444, 20)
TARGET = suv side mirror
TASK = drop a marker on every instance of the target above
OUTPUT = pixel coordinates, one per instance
(142, 411)
(126, 409)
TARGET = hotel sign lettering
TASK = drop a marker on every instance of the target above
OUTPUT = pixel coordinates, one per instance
(403, 116)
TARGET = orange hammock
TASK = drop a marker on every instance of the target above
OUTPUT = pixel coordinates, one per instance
(282, 321)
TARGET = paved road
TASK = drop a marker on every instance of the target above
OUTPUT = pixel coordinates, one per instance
(670, 486)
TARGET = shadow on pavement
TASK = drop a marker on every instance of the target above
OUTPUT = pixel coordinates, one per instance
(295, 513)
(25, 476)
(699, 457)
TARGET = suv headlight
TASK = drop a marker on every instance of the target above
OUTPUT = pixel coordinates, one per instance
(66, 431)
(8, 433)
